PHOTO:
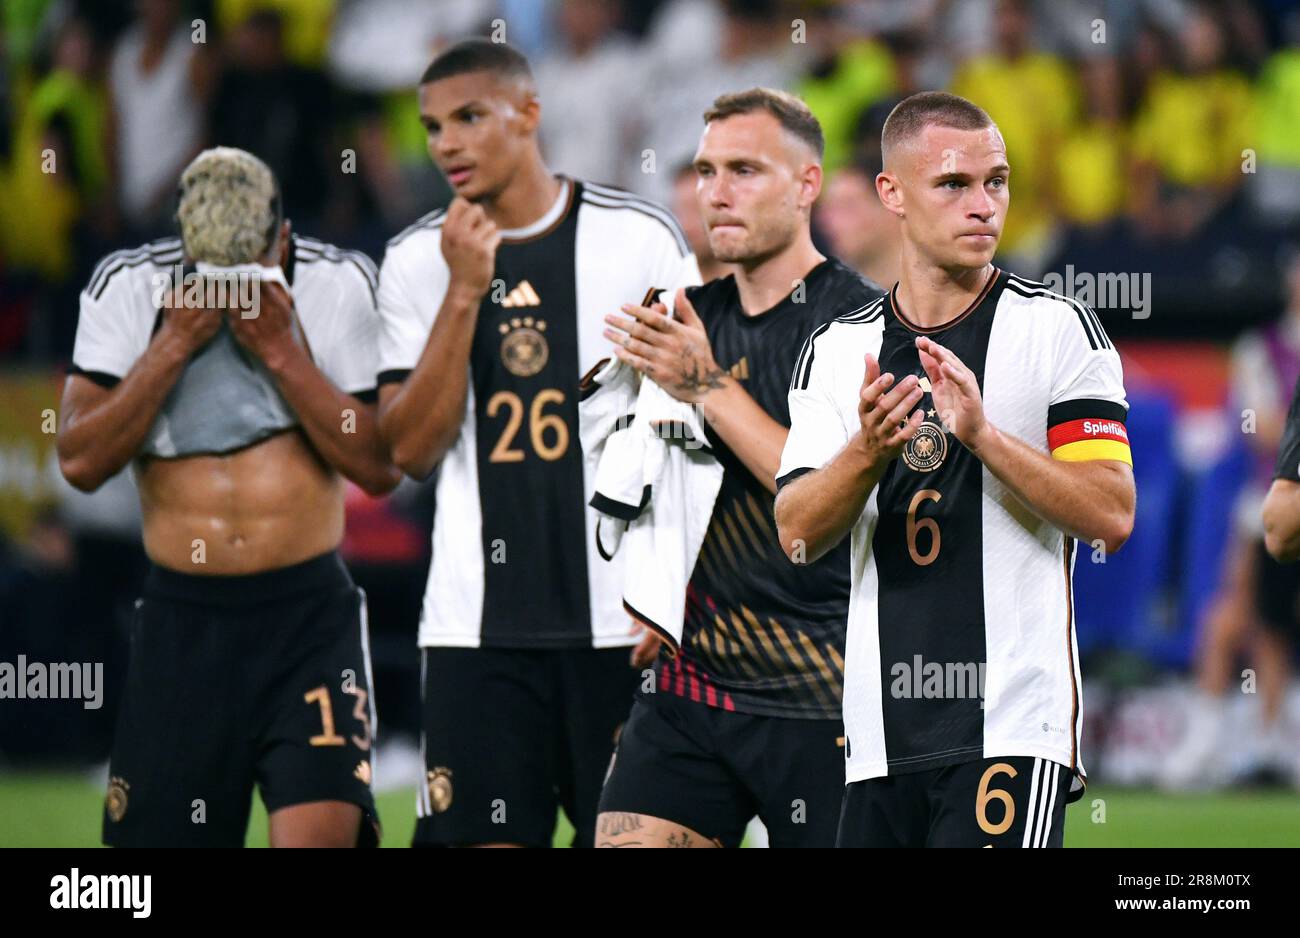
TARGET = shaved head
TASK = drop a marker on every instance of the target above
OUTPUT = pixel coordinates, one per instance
(927, 109)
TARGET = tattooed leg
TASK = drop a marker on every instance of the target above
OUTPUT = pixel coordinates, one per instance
(618, 829)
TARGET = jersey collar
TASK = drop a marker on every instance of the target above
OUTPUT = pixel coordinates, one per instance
(975, 304)
(548, 221)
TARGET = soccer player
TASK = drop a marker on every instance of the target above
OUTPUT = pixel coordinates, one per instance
(964, 434)
(745, 719)
(491, 311)
(249, 654)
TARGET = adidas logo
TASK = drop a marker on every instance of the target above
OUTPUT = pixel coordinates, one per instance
(522, 295)
(740, 370)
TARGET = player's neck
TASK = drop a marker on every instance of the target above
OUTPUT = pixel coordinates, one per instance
(767, 282)
(930, 296)
(529, 196)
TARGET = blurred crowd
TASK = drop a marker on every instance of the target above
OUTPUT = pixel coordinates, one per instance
(1150, 122)
(1152, 136)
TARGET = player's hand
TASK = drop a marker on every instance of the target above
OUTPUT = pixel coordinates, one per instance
(267, 331)
(190, 329)
(883, 407)
(674, 353)
(954, 390)
(647, 649)
(469, 245)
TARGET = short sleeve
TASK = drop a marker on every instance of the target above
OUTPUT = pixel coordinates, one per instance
(817, 430)
(403, 331)
(1288, 457)
(111, 331)
(351, 359)
(1087, 412)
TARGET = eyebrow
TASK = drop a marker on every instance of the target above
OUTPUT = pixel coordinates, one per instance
(730, 162)
(1000, 169)
(426, 120)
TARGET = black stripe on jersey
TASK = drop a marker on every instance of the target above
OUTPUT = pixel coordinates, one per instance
(872, 310)
(621, 510)
(334, 255)
(334, 252)
(101, 378)
(602, 195)
(605, 198)
(803, 364)
(393, 376)
(532, 504)
(622, 195)
(1097, 337)
(160, 246)
(432, 219)
(1086, 409)
(1044, 293)
(166, 251)
(791, 476)
(1069, 651)
(919, 573)
(134, 262)
(587, 385)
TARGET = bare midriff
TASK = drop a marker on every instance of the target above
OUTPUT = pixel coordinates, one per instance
(271, 505)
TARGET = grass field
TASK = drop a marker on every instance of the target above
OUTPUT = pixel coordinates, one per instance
(63, 810)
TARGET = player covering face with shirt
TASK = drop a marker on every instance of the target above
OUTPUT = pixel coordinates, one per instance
(965, 437)
(241, 423)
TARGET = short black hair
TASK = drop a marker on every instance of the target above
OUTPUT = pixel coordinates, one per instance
(478, 55)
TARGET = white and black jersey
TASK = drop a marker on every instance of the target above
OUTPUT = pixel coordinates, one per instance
(512, 530)
(961, 641)
(333, 294)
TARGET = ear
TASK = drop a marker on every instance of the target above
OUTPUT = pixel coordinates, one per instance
(890, 192)
(286, 243)
(530, 111)
(810, 184)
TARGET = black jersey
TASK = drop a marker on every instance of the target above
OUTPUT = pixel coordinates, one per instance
(761, 635)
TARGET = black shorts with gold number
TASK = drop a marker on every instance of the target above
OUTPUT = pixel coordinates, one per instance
(511, 735)
(1009, 801)
(236, 681)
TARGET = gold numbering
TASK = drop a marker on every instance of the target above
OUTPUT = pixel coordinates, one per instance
(923, 524)
(502, 451)
(320, 695)
(359, 711)
(538, 424)
(984, 796)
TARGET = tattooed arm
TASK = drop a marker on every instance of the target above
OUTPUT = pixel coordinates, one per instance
(676, 354)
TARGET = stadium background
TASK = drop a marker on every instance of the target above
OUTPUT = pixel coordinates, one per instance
(1154, 139)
